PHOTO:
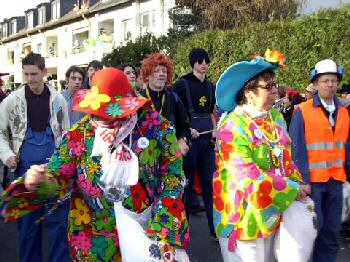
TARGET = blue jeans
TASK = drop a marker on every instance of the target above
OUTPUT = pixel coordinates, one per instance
(36, 149)
(30, 235)
(328, 197)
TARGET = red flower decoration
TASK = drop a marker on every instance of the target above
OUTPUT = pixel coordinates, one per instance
(218, 202)
(263, 198)
(175, 206)
(139, 196)
(75, 135)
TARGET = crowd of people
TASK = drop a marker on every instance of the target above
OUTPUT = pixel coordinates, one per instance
(128, 139)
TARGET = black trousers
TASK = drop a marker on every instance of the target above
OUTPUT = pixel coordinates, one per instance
(201, 157)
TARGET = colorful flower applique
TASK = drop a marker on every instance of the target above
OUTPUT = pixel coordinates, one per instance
(94, 99)
(114, 110)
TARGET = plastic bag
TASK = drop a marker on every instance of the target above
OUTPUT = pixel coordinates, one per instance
(134, 244)
(346, 202)
(295, 238)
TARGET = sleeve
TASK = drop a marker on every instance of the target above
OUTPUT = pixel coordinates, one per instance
(213, 103)
(168, 218)
(261, 188)
(182, 124)
(5, 149)
(17, 201)
(179, 89)
(299, 150)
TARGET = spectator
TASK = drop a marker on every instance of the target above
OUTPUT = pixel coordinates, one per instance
(92, 68)
(74, 78)
(35, 115)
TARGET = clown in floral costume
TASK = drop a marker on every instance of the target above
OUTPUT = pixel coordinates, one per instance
(120, 126)
(256, 179)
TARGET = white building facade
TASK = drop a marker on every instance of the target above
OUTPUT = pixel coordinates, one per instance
(77, 36)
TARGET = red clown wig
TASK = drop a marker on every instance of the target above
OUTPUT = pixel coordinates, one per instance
(154, 60)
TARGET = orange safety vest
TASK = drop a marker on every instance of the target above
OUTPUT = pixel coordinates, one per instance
(325, 147)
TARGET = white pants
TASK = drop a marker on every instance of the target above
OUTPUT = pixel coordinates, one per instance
(259, 250)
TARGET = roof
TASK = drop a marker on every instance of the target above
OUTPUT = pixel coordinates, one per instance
(72, 16)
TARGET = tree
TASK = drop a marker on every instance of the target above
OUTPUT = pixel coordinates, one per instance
(225, 14)
(135, 52)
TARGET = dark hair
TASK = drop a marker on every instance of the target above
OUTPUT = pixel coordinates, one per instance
(197, 54)
(34, 59)
(123, 66)
(252, 85)
(75, 69)
(296, 99)
(97, 65)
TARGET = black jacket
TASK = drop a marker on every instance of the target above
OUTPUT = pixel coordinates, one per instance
(173, 110)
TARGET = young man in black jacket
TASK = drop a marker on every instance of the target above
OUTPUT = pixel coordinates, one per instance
(198, 95)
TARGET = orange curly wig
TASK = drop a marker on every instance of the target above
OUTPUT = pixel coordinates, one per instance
(152, 61)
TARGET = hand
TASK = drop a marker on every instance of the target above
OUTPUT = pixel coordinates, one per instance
(168, 253)
(11, 162)
(306, 189)
(194, 133)
(183, 146)
(35, 175)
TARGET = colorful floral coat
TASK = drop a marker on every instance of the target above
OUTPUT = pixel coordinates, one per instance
(250, 194)
(92, 232)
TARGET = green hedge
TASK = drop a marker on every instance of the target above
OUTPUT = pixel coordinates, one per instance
(304, 41)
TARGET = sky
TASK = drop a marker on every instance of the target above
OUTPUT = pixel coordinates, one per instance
(11, 8)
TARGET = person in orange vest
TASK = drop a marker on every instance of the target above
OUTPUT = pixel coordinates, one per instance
(320, 147)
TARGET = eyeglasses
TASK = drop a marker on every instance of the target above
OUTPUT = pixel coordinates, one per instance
(200, 61)
(268, 86)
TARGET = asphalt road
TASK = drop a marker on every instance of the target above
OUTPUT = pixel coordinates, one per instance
(201, 249)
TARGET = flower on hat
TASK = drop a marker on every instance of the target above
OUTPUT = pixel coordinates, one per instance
(114, 110)
(274, 56)
(94, 99)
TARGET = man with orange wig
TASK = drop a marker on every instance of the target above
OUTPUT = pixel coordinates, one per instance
(157, 71)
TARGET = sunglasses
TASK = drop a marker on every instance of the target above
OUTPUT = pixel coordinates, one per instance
(200, 61)
(269, 86)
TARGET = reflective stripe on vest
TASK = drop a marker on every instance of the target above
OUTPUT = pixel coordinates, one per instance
(325, 164)
(325, 145)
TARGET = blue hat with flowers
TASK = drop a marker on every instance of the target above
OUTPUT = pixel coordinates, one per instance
(234, 77)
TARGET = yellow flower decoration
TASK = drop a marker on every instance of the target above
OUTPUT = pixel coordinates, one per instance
(80, 214)
(94, 99)
(273, 56)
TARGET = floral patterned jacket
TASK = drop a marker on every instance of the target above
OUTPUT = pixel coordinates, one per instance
(92, 230)
(250, 194)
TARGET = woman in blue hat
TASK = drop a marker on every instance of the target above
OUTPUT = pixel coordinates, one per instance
(256, 179)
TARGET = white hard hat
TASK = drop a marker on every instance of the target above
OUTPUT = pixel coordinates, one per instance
(324, 67)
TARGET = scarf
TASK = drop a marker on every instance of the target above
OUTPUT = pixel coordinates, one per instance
(119, 164)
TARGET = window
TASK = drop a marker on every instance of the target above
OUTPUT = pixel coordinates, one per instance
(39, 48)
(41, 15)
(11, 57)
(4, 30)
(13, 27)
(55, 9)
(126, 30)
(30, 20)
(148, 22)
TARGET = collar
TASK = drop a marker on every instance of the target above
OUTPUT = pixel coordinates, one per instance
(318, 102)
(29, 93)
(193, 78)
